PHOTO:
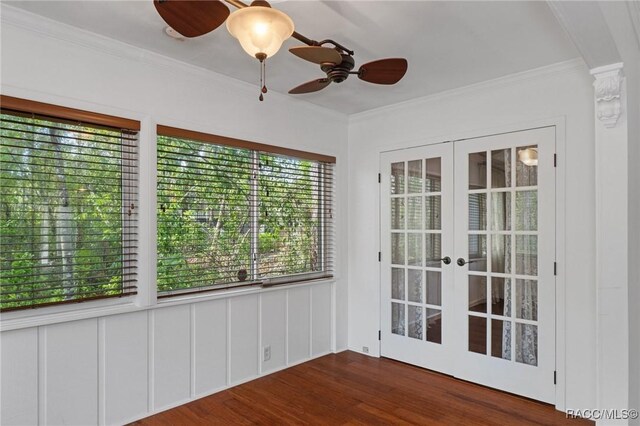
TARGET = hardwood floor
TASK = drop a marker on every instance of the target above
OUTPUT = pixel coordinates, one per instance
(353, 389)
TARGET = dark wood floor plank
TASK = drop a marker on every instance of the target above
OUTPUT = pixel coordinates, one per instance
(344, 386)
(353, 389)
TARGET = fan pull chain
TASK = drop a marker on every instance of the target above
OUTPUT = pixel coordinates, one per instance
(263, 79)
(263, 74)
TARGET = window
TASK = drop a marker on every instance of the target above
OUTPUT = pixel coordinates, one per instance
(236, 213)
(68, 212)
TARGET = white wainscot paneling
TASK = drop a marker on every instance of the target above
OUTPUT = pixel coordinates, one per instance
(274, 331)
(19, 372)
(320, 320)
(119, 368)
(209, 333)
(171, 356)
(69, 373)
(243, 338)
(123, 370)
(299, 324)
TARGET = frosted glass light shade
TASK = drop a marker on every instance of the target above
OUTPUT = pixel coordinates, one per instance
(260, 29)
(529, 156)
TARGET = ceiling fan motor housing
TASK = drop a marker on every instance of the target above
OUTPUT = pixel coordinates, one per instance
(338, 73)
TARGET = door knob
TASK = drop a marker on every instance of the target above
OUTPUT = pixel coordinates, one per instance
(462, 262)
(446, 260)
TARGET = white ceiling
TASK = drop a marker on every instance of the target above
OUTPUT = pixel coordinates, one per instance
(447, 44)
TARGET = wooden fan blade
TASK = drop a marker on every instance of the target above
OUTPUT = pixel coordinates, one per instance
(192, 18)
(317, 54)
(383, 71)
(310, 86)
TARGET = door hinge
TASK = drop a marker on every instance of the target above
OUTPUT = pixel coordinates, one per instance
(379, 178)
(379, 256)
(554, 378)
(555, 268)
(379, 334)
(555, 160)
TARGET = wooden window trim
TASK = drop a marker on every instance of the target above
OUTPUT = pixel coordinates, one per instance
(86, 117)
(239, 143)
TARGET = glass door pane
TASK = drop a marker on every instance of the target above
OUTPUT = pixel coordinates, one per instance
(506, 263)
(420, 227)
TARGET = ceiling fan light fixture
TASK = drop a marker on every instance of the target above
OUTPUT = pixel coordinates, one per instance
(260, 29)
(528, 156)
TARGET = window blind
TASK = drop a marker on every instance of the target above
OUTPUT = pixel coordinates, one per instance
(295, 234)
(231, 216)
(68, 228)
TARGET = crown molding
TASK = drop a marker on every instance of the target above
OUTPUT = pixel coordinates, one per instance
(570, 66)
(49, 28)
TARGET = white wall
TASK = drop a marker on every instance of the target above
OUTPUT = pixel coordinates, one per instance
(113, 368)
(563, 91)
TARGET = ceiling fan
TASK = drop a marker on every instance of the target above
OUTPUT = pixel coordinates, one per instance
(337, 63)
(193, 18)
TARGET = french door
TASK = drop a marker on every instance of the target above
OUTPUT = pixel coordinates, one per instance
(468, 250)
(417, 212)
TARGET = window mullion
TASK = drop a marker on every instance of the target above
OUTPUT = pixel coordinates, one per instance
(254, 213)
(320, 187)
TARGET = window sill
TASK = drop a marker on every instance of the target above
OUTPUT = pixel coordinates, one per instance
(65, 313)
(102, 308)
(238, 291)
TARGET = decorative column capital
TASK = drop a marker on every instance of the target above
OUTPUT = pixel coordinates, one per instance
(608, 88)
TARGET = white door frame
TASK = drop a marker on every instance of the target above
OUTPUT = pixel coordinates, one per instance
(560, 191)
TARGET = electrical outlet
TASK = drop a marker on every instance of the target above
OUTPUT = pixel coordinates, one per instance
(266, 353)
(365, 349)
